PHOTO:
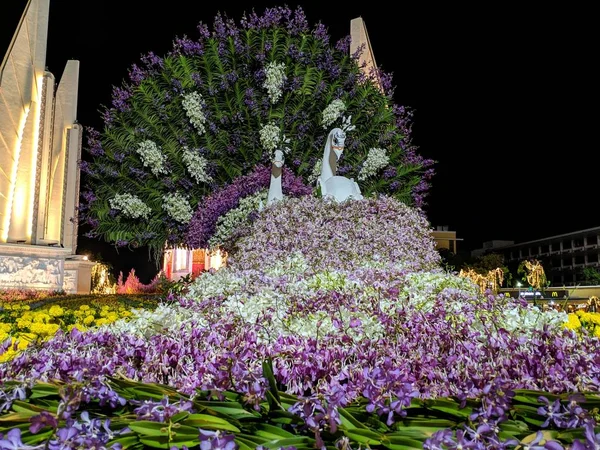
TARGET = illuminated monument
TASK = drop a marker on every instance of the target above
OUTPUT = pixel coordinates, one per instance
(40, 147)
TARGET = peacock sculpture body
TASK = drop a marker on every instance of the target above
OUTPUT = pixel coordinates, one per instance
(185, 126)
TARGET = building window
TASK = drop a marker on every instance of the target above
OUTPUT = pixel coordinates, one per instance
(181, 259)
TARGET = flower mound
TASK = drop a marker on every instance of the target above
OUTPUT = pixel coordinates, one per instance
(330, 235)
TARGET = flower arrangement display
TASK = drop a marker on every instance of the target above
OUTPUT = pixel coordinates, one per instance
(333, 325)
(213, 108)
(311, 350)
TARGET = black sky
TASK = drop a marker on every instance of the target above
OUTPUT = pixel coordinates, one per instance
(505, 98)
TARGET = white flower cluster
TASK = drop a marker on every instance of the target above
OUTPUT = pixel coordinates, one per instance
(376, 159)
(332, 112)
(274, 82)
(163, 319)
(178, 207)
(130, 206)
(234, 218)
(270, 138)
(525, 320)
(422, 288)
(152, 157)
(316, 173)
(193, 104)
(196, 165)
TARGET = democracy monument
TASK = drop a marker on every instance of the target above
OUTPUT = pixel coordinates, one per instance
(40, 149)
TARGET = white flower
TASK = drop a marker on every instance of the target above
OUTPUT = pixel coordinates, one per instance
(196, 165)
(269, 136)
(333, 111)
(193, 104)
(178, 207)
(275, 77)
(235, 218)
(152, 157)
(130, 206)
(376, 159)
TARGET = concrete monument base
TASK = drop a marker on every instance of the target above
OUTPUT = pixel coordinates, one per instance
(34, 267)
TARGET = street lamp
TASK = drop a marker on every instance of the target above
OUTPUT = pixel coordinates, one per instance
(519, 286)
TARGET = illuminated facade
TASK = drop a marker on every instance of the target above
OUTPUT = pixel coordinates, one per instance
(40, 147)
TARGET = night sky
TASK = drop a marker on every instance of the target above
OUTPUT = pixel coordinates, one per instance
(503, 97)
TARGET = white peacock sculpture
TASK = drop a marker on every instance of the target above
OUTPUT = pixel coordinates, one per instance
(332, 185)
(275, 191)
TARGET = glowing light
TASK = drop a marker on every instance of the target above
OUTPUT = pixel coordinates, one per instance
(34, 153)
(13, 175)
(536, 276)
(181, 259)
(217, 259)
(493, 280)
(85, 257)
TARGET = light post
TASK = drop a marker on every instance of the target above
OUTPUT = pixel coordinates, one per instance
(519, 286)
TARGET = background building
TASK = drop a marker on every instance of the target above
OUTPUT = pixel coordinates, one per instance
(563, 256)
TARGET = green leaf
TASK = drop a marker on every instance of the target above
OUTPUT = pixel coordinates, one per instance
(22, 416)
(164, 442)
(349, 422)
(408, 445)
(210, 422)
(272, 432)
(148, 428)
(272, 393)
(364, 436)
(450, 407)
(41, 389)
(126, 440)
(179, 417)
(23, 407)
(284, 417)
(288, 442)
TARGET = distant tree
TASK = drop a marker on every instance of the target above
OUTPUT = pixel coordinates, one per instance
(533, 273)
(490, 262)
(591, 275)
(453, 262)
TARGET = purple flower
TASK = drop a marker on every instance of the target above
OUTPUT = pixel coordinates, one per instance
(12, 441)
(44, 419)
(215, 440)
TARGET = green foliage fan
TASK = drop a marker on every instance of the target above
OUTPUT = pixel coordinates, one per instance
(228, 72)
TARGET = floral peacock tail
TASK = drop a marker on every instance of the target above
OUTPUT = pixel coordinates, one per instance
(187, 125)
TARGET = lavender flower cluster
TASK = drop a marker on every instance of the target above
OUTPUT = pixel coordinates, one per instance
(333, 235)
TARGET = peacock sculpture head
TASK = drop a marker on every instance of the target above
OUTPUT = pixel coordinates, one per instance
(187, 126)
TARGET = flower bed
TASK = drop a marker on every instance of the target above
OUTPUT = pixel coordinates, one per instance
(311, 351)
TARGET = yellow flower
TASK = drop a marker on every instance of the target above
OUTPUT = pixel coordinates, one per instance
(101, 322)
(88, 320)
(573, 323)
(56, 311)
(84, 307)
(41, 317)
(7, 355)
